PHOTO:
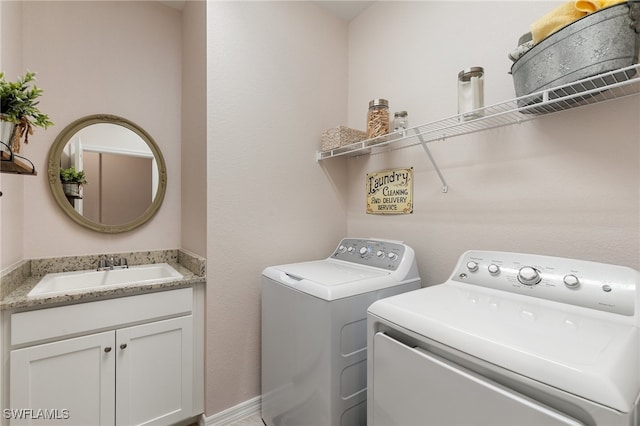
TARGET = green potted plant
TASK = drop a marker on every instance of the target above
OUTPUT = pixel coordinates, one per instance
(72, 181)
(19, 112)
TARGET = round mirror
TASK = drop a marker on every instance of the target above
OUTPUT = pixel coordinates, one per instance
(107, 173)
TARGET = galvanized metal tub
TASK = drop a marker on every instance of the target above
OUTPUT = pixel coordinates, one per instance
(600, 42)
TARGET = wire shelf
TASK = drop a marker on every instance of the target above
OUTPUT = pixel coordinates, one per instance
(615, 84)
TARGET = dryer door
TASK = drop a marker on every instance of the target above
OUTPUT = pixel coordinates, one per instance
(413, 387)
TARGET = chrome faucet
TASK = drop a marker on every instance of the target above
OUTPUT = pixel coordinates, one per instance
(108, 264)
(102, 264)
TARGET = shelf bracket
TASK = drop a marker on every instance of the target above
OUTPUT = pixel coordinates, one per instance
(11, 162)
(445, 187)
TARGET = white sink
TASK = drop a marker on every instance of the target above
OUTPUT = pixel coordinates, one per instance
(76, 281)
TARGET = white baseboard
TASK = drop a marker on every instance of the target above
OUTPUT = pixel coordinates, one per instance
(234, 414)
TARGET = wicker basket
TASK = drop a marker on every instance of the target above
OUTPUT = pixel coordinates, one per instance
(340, 136)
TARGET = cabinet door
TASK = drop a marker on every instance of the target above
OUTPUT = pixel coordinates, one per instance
(69, 382)
(154, 378)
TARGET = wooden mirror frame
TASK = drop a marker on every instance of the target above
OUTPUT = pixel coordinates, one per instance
(55, 154)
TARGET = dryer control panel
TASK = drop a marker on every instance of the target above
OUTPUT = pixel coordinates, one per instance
(608, 288)
(377, 253)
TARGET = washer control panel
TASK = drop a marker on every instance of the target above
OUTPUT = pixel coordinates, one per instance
(377, 253)
(608, 288)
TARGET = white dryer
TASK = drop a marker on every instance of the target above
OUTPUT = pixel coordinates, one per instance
(510, 339)
(314, 338)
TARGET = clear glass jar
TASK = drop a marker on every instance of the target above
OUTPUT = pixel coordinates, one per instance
(400, 121)
(470, 93)
(378, 118)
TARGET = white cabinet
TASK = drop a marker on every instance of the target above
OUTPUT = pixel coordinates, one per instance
(141, 371)
(73, 378)
(154, 372)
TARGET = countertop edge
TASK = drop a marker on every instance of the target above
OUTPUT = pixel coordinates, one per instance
(16, 297)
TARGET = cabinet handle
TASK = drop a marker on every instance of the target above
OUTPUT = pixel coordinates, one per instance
(123, 346)
(107, 349)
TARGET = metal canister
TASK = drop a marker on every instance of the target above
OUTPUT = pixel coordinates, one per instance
(378, 118)
(400, 121)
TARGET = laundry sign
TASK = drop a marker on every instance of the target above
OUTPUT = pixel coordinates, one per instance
(390, 191)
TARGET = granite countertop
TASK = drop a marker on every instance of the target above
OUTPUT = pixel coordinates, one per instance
(19, 280)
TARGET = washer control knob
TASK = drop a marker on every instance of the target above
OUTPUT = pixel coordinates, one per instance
(392, 256)
(351, 249)
(493, 269)
(571, 281)
(380, 254)
(364, 251)
(342, 248)
(472, 266)
(529, 276)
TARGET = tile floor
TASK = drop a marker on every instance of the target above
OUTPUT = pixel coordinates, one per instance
(254, 420)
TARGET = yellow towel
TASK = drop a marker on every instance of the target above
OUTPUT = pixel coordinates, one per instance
(591, 6)
(565, 14)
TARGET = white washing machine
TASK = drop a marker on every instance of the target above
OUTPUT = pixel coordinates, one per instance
(314, 338)
(510, 339)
